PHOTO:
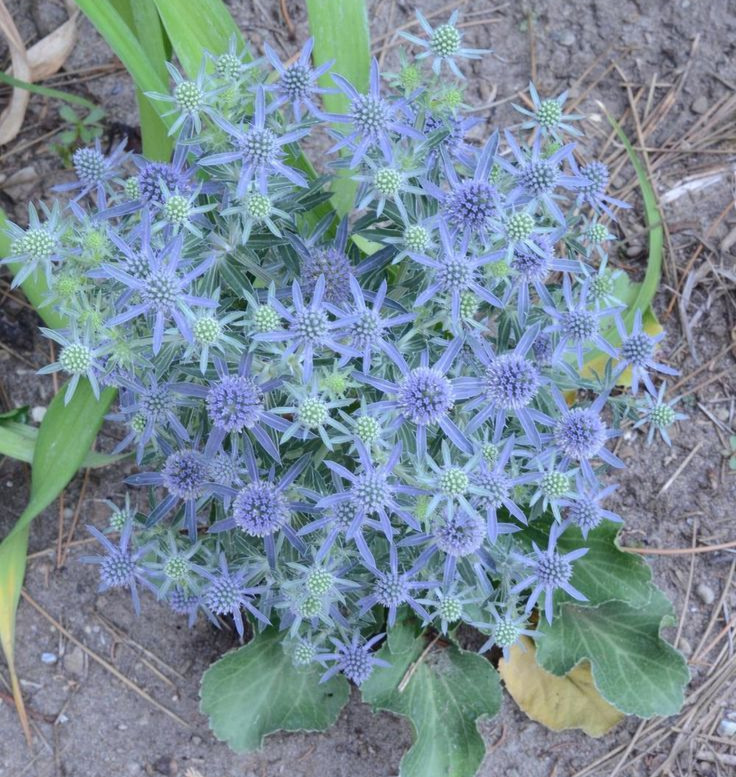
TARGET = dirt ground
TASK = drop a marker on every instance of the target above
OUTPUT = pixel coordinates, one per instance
(87, 722)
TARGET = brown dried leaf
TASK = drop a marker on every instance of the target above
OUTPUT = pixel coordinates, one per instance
(48, 55)
(571, 701)
(11, 119)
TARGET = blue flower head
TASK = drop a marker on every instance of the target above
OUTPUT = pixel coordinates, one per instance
(374, 119)
(297, 82)
(443, 43)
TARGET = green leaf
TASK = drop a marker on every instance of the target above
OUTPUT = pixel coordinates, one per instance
(256, 690)
(340, 31)
(204, 25)
(46, 91)
(19, 414)
(637, 296)
(18, 440)
(64, 439)
(121, 39)
(143, 19)
(605, 572)
(448, 691)
(653, 218)
(62, 445)
(68, 114)
(633, 668)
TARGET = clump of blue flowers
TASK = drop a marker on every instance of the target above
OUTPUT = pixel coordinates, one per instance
(342, 418)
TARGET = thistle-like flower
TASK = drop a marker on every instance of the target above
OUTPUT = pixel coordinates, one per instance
(548, 115)
(353, 659)
(120, 567)
(374, 119)
(637, 354)
(551, 570)
(444, 43)
(297, 84)
(258, 149)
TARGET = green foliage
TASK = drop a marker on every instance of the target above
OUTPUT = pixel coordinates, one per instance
(46, 91)
(81, 130)
(605, 572)
(64, 439)
(18, 440)
(256, 690)
(447, 691)
(633, 667)
(123, 41)
(206, 25)
(143, 20)
(328, 21)
(732, 452)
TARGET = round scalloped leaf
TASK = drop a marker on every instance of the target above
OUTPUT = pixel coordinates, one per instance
(256, 690)
(443, 691)
(605, 572)
(633, 668)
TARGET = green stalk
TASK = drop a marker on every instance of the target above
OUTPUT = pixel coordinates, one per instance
(340, 31)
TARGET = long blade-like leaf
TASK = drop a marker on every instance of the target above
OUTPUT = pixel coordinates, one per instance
(654, 221)
(62, 443)
(64, 439)
(142, 18)
(47, 91)
(340, 31)
(19, 442)
(196, 27)
(125, 44)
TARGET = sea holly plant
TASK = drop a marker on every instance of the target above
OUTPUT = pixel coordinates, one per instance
(361, 437)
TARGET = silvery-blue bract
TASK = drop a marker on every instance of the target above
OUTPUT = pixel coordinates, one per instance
(337, 418)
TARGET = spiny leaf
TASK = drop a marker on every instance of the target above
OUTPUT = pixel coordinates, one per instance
(634, 669)
(448, 690)
(256, 690)
(559, 703)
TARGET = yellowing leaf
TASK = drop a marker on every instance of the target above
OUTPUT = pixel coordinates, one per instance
(570, 701)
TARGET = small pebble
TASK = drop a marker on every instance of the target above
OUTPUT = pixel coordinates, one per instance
(49, 658)
(685, 647)
(74, 661)
(722, 413)
(634, 249)
(196, 740)
(23, 176)
(166, 765)
(567, 38)
(705, 592)
(727, 728)
(37, 414)
(700, 104)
